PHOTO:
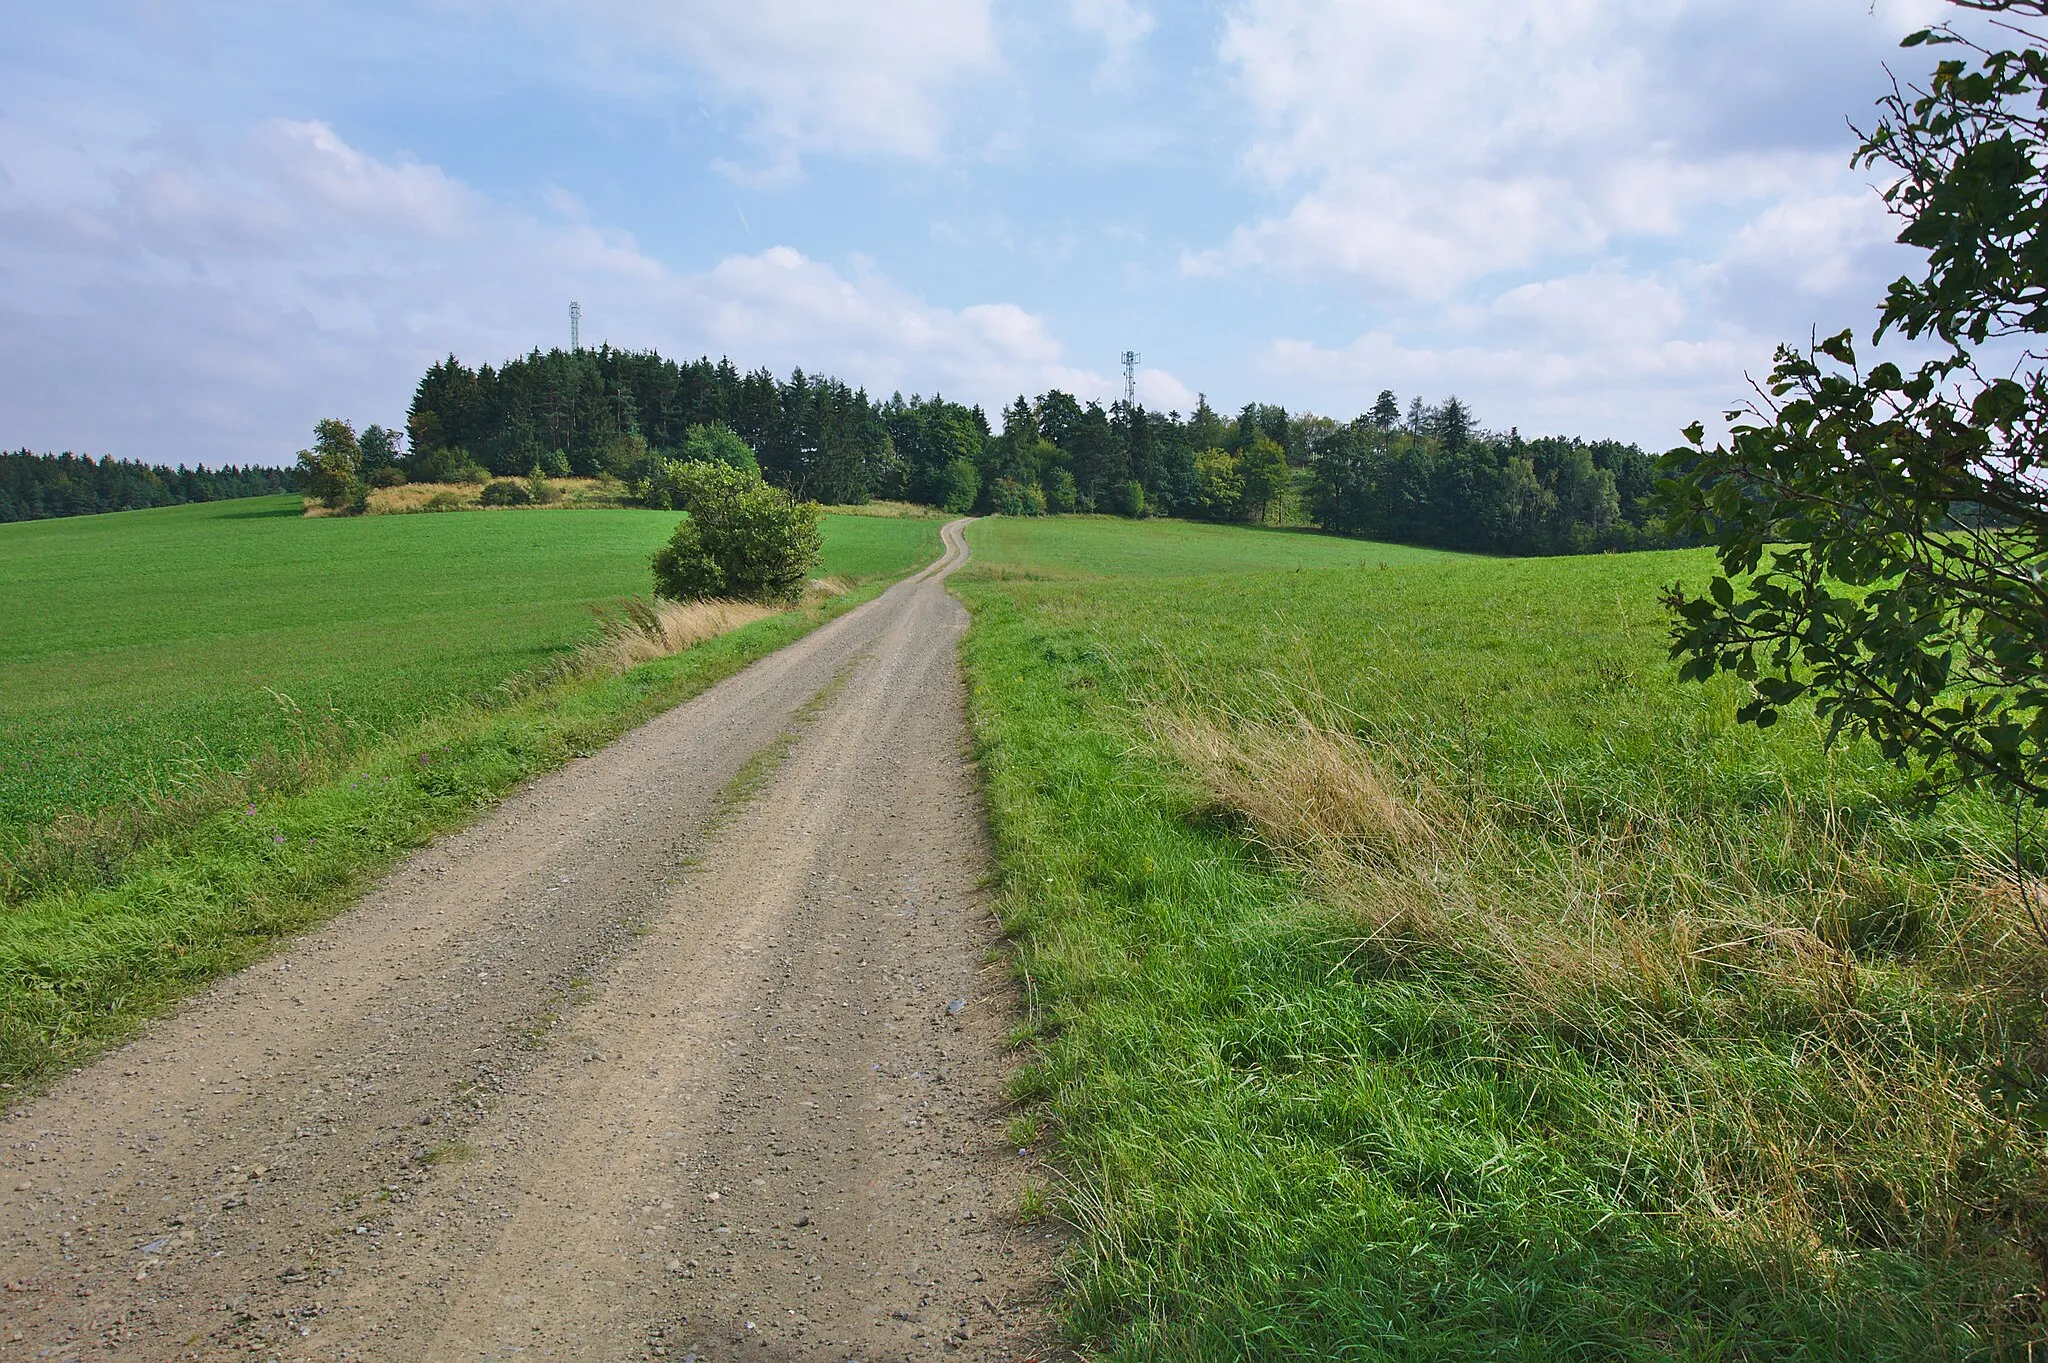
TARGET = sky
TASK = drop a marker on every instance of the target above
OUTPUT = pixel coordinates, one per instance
(221, 222)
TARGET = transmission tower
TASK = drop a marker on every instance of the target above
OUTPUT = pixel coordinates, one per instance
(575, 326)
(1130, 378)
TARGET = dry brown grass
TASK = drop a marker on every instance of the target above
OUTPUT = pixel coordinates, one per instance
(1306, 789)
(412, 498)
(909, 511)
(1810, 1023)
(638, 631)
(643, 631)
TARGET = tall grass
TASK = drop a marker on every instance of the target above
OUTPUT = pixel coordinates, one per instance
(1802, 1031)
(1420, 971)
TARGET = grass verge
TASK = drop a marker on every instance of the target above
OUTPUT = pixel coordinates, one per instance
(1419, 971)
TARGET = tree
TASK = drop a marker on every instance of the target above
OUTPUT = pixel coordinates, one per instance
(331, 471)
(1219, 486)
(378, 448)
(1263, 466)
(717, 443)
(1882, 534)
(743, 539)
(1386, 410)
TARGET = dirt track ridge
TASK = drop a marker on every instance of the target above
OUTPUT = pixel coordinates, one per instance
(691, 1049)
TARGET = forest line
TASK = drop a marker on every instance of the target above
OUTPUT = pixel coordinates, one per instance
(1429, 474)
(36, 487)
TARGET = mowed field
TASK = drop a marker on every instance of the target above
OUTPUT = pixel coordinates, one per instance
(219, 722)
(1420, 971)
(138, 647)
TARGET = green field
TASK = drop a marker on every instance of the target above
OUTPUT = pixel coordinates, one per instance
(1101, 548)
(1419, 971)
(218, 721)
(139, 646)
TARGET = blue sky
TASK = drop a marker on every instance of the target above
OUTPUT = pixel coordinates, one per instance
(221, 222)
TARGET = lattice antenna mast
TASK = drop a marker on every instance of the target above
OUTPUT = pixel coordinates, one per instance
(575, 326)
(1130, 378)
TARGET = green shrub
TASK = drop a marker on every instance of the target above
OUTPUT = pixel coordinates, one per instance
(1126, 498)
(1219, 486)
(388, 476)
(718, 443)
(663, 483)
(625, 456)
(555, 464)
(744, 538)
(1011, 498)
(960, 486)
(1061, 495)
(443, 464)
(506, 492)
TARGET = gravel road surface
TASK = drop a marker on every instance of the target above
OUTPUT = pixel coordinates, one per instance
(693, 1048)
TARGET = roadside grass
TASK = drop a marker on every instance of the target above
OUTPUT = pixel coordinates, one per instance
(1419, 971)
(480, 691)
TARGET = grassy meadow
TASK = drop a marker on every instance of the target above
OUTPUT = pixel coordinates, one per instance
(137, 647)
(217, 720)
(1420, 971)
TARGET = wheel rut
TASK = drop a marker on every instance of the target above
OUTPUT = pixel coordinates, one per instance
(633, 1068)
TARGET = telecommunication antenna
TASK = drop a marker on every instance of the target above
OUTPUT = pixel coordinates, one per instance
(575, 326)
(1130, 378)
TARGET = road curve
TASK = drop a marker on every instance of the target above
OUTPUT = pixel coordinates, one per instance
(693, 1048)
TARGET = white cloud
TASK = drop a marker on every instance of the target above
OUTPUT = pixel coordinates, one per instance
(1598, 213)
(1428, 147)
(186, 302)
(1120, 25)
(1160, 391)
(803, 76)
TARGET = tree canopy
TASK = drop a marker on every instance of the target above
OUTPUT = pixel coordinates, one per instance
(1882, 530)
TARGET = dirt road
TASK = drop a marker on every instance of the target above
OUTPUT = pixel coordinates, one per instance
(692, 1048)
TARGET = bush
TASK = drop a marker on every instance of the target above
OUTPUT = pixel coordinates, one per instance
(1219, 486)
(960, 486)
(1126, 498)
(744, 538)
(387, 476)
(555, 464)
(1011, 498)
(625, 457)
(718, 443)
(1061, 496)
(441, 464)
(507, 492)
(663, 485)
